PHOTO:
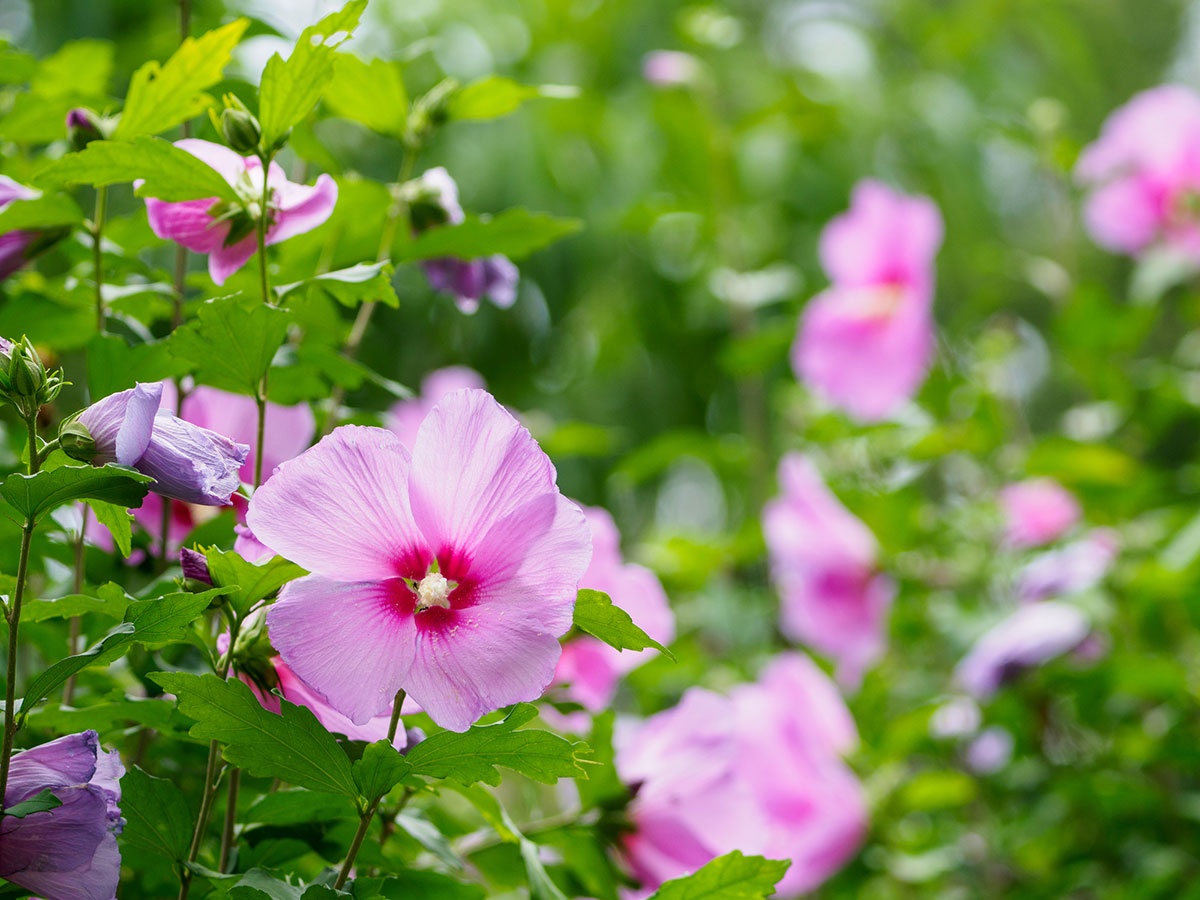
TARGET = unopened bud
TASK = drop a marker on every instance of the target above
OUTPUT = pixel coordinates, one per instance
(430, 111)
(83, 127)
(76, 441)
(240, 130)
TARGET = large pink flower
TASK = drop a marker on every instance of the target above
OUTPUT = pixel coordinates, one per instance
(591, 667)
(1037, 511)
(758, 771)
(824, 563)
(1144, 171)
(204, 226)
(449, 572)
(866, 342)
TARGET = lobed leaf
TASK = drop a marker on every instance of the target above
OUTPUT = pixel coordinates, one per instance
(495, 96)
(46, 211)
(370, 93)
(161, 97)
(473, 755)
(729, 877)
(596, 614)
(231, 342)
(34, 495)
(156, 815)
(380, 769)
(291, 88)
(118, 520)
(111, 600)
(248, 583)
(292, 745)
(364, 283)
(166, 171)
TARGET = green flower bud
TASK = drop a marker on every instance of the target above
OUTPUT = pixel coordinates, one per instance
(76, 441)
(240, 130)
(83, 127)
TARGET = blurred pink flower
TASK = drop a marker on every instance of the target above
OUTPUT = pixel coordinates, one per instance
(14, 245)
(670, 68)
(590, 667)
(456, 575)
(955, 718)
(406, 416)
(866, 342)
(1037, 511)
(1078, 566)
(226, 233)
(823, 561)
(758, 771)
(990, 751)
(1144, 172)
(1032, 635)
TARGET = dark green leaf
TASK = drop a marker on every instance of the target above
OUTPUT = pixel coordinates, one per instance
(420, 884)
(160, 97)
(259, 884)
(119, 522)
(291, 88)
(114, 365)
(34, 495)
(293, 807)
(249, 583)
(110, 600)
(44, 801)
(496, 96)
(729, 877)
(515, 233)
(371, 93)
(541, 886)
(231, 342)
(157, 621)
(430, 837)
(596, 614)
(169, 173)
(157, 816)
(292, 746)
(380, 769)
(474, 754)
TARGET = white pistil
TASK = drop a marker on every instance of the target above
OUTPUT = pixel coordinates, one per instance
(434, 590)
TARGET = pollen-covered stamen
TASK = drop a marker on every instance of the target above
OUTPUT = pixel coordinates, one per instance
(434, 590)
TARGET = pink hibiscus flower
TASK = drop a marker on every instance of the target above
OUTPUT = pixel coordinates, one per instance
(208, 226)
(449, 572)
(824, 562)
(865, 343)
(589, 666)
(1037, 511)
(758, 771)
(1144, 171)
(405, 416)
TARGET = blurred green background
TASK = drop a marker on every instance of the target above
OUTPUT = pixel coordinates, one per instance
(649, 354)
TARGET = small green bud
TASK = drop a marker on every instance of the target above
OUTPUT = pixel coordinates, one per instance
(240, 130)
(83, 127)
(429, 111)
(76, 441)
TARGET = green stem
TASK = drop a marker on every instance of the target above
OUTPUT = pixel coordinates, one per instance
(97, 255)
(265, 285)
(235, 779)
(364, 821)
(261, 401)
(13, 614)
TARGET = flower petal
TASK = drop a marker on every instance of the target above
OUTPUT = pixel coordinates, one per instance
(187, 223)
(122, 424)
(320, 625)
(341, 509)
(191, 463)
(224, 261)
(301, 207)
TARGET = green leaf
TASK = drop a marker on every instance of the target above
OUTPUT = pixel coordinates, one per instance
(290, 89)
(34, 495)
(231, 342)
(153, 712)
(119, 522)
(541, 887)
(729, 877)
(596, 614)
(159, 620)
(371, 93)
(515, 233)
(292, 746)
(495, 96)
(473, 755)
(259, 884)
(157, 816)
(168, 172)
(111, 600)
(45, 211)
(160, 97)
(380, 769)
(294, 807)
(76, 66)
(430, 837)
(249, 583)
(364, 283)
(114, 365)
(421, 884)
(44, 801)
